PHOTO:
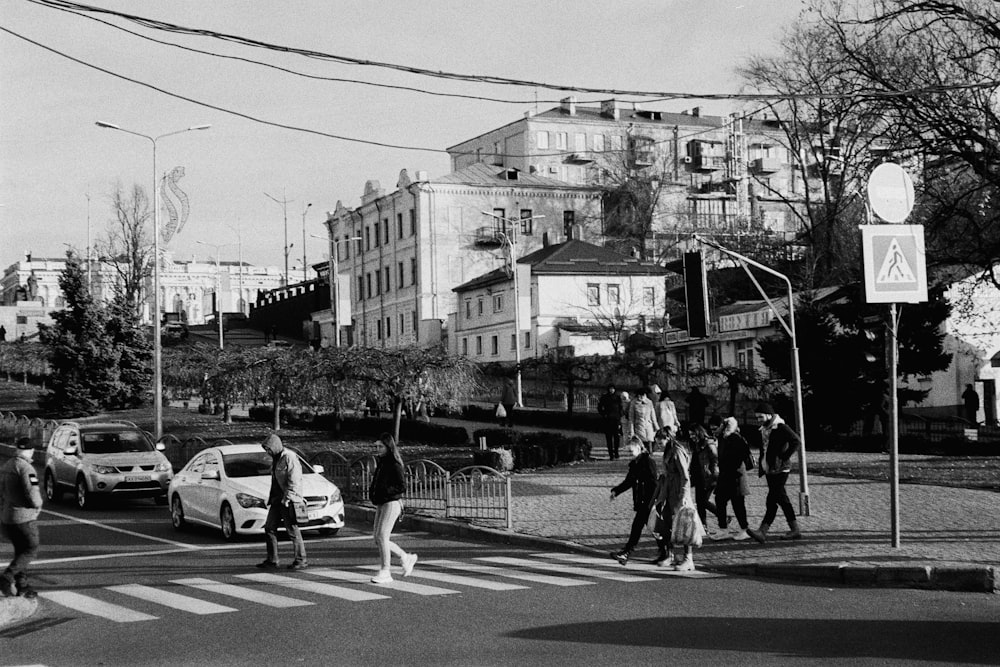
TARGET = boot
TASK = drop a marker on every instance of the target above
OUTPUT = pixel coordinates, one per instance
(793, 531)
(687, 564)
(667, 560)
(760, 535)
(662, 555)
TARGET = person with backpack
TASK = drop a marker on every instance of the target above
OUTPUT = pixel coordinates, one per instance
(735, 463)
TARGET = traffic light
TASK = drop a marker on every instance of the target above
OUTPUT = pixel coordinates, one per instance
(696, 295)
(872, 331)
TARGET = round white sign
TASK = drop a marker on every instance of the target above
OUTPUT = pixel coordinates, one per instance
(890, 192)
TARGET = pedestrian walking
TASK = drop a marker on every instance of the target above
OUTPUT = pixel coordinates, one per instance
(666, 411)
(642, 420)
(609, 407)
(641, 478)
(970, 399)
(778, 445)
(386, 492)
(20, 503)
(285, 503)
(674, 502)
(697, 404)
(735, 463)
(508, 399)
(704, 470)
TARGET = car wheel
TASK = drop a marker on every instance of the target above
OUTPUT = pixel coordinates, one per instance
(160, 500)
(83, 500)
(52, 492)
(329, 532)
(228, 522)
(177, 514)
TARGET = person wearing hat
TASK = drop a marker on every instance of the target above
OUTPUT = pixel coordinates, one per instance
(285, 495)
(778, 445)
(20, 503)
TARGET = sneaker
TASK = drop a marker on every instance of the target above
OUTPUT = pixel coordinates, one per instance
(267, 565)
(661, 558)
(383, 577)
(741, 535)
(620, 556)
(759, 536)
(298, 565)
(791, 535)
(718, 535)
(28, 593)
(409, 560)
(7, 588)
(686, 565)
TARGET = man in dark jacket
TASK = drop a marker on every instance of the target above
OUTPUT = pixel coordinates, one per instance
(641, 478)
(286, 492)
(20, 503)
(609, 406)
(778, 445)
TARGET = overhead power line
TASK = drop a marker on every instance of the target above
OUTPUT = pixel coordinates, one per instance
(66, 5)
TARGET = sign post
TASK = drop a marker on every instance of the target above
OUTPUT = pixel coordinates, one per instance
(895, 272)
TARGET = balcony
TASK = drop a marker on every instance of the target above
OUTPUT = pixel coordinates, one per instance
(488, 237)
(709, 162)
(765, 165)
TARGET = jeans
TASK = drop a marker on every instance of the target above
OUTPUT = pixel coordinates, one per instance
(739, 509)
(24, 538)
(638, 523)
(777, 497)
(613, 437)
(386, 516)
(276, 514)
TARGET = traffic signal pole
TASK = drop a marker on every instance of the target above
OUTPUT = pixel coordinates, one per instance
(789, 328)
(893, 346)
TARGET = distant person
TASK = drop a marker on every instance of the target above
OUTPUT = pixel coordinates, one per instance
(508, 399)
(20, 503)
(285, 495)
(385, 491)
(778, 445)
(675, 499)
(641, 478)
(3, 333)
(626, 402)
(609, 407)
(666, 412)
(971, 400)
(642, 420)
(704, 469)
(697, 404)
(735, 463)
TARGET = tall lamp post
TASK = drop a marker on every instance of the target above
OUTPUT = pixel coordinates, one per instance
(334, 304)
(218, 285)
(155, 315)
(284, 208)
(305, 275)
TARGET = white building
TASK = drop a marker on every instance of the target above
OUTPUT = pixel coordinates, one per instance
(574, 297)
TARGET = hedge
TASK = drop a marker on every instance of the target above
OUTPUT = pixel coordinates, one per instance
(411, 431)
(534, 449)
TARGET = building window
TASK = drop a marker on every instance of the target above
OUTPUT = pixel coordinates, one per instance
(614, 295)
(527, 224)
(387, 282)
(368, 279)
(388, 327)
(715, 356)
(413, 270)
(399, 225)
(598, 143)
(744, 354)
(385, 231)
(648, 297)
(361, 288)
(682, 363)
(347, 248)
(569, 219)
(499, 219)
(494, 345)
(413, 222)
(416, 329)
(402, 324)
(368, 238)
(468, 309)
(376, 235)
(479, 346)
(513, 341)
(593, 294)
(561, 141)
(543, 140)
(465, 347)
(579, 142)
(378, 329)
(498, 303)
(479, 307)
(400, 276)
(527, 340)
(359, 242)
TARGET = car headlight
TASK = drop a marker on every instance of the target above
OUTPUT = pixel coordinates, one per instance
(104, 470)
(334, 496)
(246, 500)
(164, 466)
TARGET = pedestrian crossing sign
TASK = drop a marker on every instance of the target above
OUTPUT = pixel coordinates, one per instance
(895, 264)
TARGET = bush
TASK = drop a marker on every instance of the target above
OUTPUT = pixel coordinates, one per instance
(497, 437)
(501, 460)
(409, 431)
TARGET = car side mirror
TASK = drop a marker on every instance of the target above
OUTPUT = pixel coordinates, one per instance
(210, 474)
(71, 449)
(160, 447)
(318, 469)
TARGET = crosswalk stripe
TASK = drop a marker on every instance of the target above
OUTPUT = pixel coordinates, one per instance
(249, 594)
(565, 569)
(170, 599)
(350, 594)
(396, 585)
(645, 568)
(501, 572)
(458, 579)
(88, 605)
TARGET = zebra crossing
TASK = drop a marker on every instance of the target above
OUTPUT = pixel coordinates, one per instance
(353, 584)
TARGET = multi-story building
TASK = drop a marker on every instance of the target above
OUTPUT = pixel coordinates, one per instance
(400, 253)
(572, 296)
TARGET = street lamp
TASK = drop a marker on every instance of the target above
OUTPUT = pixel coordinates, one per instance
(218, 284)
(510, 240)
(304, 265)
(332, 268)
(157, 347)
(284, 208)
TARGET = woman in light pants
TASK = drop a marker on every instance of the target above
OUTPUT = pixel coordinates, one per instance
(385, 491)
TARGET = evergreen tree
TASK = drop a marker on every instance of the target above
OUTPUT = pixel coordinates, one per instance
(135, 354)
(82, 356)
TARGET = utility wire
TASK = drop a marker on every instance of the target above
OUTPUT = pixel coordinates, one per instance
(66, 5)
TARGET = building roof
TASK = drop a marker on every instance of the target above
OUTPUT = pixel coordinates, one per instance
(573, 257)
(487, 174)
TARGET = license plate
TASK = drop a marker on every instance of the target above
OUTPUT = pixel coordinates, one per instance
(314, 514)
(137, 478)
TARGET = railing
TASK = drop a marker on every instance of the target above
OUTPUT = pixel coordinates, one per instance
(479, 492)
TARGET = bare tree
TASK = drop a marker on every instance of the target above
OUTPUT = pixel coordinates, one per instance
(128, 246)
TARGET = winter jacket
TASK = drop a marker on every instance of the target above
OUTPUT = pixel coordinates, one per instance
(734, 451)
(641, 478)
(642, 419)
(676, 483)
(705, 463)
(666, 415)
(286, 478)
(20, 499)
(610, 407)
(388, 483)
(778, 444)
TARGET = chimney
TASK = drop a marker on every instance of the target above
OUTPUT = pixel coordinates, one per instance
(545, 240)
(530, 113)
(696, 112)
(421, 175)
(568, 104)
(609, 109)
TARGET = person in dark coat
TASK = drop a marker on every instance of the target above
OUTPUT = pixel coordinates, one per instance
(386, 491)
(641, 478)
(697, 404)
(735, 463)
(508, 399)
(609, 407)
(778, 444)
(970, 400)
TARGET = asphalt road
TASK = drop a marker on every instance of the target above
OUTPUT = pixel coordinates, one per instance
(121, 587)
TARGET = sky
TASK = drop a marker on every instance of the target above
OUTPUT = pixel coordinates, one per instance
(58, 169)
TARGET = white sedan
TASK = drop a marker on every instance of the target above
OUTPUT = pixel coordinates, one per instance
(226, 487)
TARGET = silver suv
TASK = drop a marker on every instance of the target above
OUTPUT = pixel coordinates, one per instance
(105, 458)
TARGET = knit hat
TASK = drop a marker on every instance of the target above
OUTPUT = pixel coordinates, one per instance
(764, 409)
(24, 443)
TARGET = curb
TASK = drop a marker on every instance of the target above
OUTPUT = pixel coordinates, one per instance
(966, 579)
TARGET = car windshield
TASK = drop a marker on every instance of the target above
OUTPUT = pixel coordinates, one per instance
(115, 443)
(253, 464)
